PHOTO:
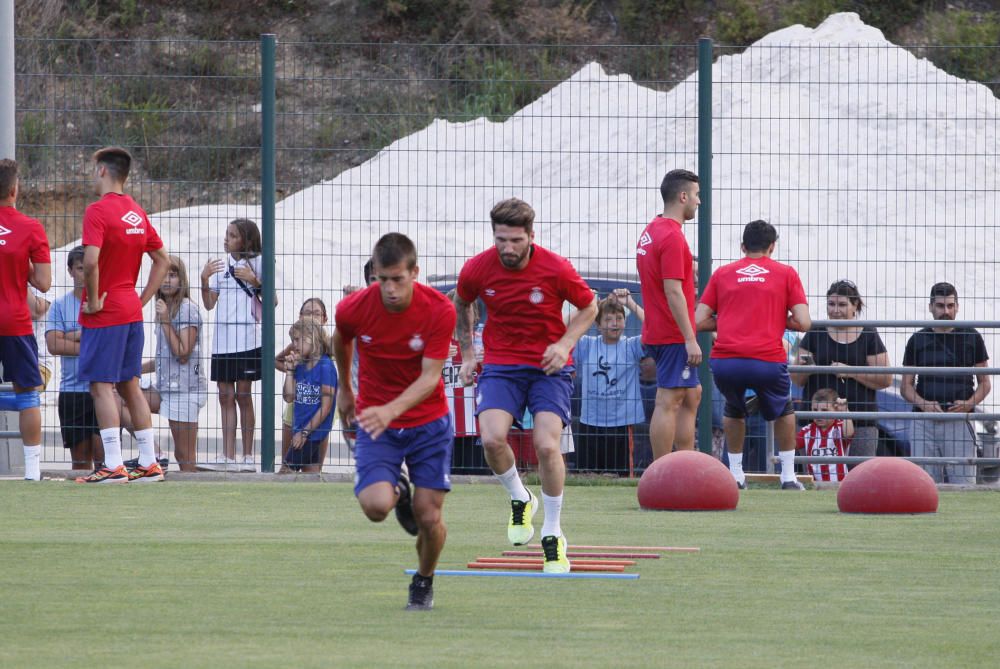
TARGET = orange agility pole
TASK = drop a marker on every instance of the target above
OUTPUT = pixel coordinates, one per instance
(533, 567)
(534, 560)
(571, 554)
(674, 549)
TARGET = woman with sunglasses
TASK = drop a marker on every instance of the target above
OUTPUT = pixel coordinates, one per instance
(849, 345)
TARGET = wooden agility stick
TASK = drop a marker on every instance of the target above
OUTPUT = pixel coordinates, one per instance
(538, 567)
(673, 549)
(571, 554)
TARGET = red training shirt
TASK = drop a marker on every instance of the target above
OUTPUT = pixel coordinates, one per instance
(831, 442)
(22, 240)
(752, 298)
(392, 345)
(523, 307)
(120, 228)
(663, 253)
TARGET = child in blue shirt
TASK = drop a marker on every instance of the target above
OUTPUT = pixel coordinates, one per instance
(312, 386)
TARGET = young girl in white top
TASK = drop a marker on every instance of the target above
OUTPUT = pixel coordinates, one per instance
(233, 284)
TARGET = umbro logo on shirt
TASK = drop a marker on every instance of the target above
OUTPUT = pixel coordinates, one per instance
(752, 273)
(645, 240)
(365, 339)
(3, 231)
(490, 292)
(135, 220)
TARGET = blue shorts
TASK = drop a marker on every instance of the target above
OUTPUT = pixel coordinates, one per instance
(512, 388)
(19, 361)
(425, 448)
(111, 354)
(295, 458)
(672, 369)
(768, 379)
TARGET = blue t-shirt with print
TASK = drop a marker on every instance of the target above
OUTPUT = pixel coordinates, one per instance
(609, 381)
(64, 317)
(308, 394)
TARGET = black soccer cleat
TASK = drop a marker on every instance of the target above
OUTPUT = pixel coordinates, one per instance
(741, 485)
(792, 485)
(404, 506)
(421, 594)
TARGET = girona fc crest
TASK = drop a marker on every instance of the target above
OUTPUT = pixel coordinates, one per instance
(536, 295)
(416, 343)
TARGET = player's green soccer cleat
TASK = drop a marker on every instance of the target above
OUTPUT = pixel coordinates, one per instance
(519, 529)
(554, 549)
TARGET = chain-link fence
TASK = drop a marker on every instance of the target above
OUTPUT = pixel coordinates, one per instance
(873, 164)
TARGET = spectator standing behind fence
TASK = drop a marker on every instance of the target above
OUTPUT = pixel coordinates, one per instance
(611, 402)
(116, 234)
(528, 362)
(846, 345)
(751, 302)
(945, 347)
(310, 385)
(666, 275)
(77, 419)
(24, 258)
(313, 308)
(180, 389)
(233, 285)
(827, 437)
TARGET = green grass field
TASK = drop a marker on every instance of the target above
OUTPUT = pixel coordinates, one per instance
(292, 575)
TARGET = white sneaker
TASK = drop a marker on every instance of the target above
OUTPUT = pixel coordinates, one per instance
(248, 464)
(223, 465)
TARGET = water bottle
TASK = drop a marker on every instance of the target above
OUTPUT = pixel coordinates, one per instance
(477, 342)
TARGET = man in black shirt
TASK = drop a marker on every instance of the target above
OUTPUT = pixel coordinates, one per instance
(945, 347)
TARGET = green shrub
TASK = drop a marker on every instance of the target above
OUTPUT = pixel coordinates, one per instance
(740, 23)
(971, 45)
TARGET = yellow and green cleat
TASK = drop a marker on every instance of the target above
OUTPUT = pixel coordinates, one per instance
(519, 529)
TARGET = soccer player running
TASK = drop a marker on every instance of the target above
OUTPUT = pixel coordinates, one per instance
(24, 258)
(527, 362)
(402, 329)
(116, 234)
(751, 303)
(666, 279)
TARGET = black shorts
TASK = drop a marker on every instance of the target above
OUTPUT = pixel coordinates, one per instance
(77, 418)
(240, 366)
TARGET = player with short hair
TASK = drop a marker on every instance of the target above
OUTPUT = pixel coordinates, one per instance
(751, 302)
(24, 260)
(116, 234)
(402, 329)
(527, 362)
(666, 278)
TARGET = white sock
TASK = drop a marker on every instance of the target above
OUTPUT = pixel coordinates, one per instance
(33, 463)
(512, 482)
(111, 439)
(147, 451)
(787, 459)
(553, 509)
(736, 467)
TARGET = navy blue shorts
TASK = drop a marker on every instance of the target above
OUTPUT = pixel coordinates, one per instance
(425, 448)
(769, 380)
(672, 369)
(111, 354)
(295, 458)
(19, 361)
(513, 388)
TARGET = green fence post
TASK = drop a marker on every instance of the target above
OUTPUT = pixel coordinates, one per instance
(705, 230)
(267, 189)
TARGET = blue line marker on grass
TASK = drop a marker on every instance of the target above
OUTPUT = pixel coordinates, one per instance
(527, 574)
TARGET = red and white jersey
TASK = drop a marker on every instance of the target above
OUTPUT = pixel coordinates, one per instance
(120, 228)
(663, 253)
(752, 298)
(523, 307)
(392, 345)
(831, 442)
(461, 398)
(22, 242)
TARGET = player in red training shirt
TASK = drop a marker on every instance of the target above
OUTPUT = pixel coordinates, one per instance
(828, 437)
(24, 259)
(751, 303)
(666, 278)
(116, 234)
(402, 329)
(527, 362)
